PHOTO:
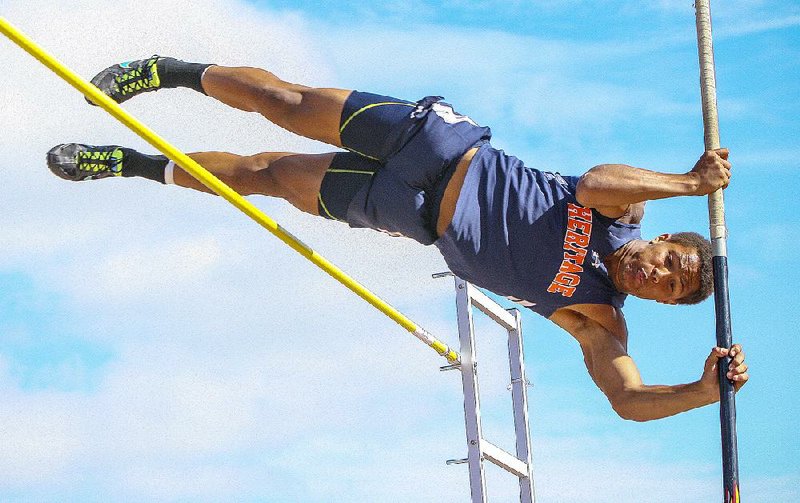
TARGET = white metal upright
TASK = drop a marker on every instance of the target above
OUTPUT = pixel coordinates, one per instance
(478, 448)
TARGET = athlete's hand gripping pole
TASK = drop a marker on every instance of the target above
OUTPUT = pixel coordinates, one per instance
(716, 213)
(213, 183)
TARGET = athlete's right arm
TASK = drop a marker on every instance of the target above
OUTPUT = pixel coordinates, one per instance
(615, 373)
(612, 188)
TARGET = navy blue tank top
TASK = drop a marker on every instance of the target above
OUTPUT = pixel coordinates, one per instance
(521, 233)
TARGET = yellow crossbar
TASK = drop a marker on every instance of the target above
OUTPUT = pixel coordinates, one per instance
(213, 183)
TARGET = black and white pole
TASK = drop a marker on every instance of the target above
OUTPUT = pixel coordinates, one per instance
(718, 230)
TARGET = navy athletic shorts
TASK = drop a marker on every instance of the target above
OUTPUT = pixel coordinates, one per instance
(401, 156)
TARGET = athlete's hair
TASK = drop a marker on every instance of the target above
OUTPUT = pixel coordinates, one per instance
(704, 253)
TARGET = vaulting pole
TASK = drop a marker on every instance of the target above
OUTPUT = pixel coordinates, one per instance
(716, 213)
(221, 189)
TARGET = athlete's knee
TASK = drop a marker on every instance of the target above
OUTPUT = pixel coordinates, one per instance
(252, 175)
(271, 94)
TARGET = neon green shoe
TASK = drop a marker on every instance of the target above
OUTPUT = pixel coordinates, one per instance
(77, 162)
(124, 81)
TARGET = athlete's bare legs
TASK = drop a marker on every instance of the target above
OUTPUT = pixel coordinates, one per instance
(293, 177)
(315, 113)
(310, 112)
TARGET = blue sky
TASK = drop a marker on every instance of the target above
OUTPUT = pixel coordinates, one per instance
(157, 346)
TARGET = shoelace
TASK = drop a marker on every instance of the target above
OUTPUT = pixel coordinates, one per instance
(135, 79)
(99, 161)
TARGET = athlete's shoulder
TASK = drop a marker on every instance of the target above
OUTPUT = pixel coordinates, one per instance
(579, 319)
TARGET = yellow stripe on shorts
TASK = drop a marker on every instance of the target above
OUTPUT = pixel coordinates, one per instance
(364, 109)
(322, 203)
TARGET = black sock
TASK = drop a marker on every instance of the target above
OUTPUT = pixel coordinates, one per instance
(146, 166)
(176, 73)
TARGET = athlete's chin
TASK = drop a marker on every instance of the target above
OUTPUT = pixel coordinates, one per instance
(645, 296)
(635, 292)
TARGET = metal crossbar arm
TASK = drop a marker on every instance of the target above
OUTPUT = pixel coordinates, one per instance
(220, 188)
(718, 231)
(493, 310)
(504, 460)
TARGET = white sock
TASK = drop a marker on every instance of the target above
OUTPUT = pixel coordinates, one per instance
(169, 173)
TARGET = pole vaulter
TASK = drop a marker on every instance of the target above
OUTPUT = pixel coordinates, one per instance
(220, 188)
(718, 232)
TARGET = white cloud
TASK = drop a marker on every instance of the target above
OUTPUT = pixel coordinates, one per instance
(762, 25)
(145, 270)
(40, 435)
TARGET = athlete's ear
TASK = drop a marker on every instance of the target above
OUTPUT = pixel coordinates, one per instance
(663, 237)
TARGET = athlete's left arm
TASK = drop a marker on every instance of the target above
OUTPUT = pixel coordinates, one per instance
(612, 188)
(602, 335)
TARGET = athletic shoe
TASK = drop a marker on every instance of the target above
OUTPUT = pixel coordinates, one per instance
(76, 162)
(124, 81)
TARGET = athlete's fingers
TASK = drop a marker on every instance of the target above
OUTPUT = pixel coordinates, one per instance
(739, 380)
(737, 354)
(737, 370)
(720, 352)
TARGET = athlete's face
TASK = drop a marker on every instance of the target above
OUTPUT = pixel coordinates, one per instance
(659, 270)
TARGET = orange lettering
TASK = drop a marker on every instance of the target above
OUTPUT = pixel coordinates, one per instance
(578, 239)
(568, 266)
(567, 279)
(575, 211)
(580, 226)
(580, 253)
(565, 291)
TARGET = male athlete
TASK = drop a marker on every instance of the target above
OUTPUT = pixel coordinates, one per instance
(567, 247)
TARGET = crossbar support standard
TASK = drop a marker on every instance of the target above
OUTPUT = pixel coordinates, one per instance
(478, 448)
